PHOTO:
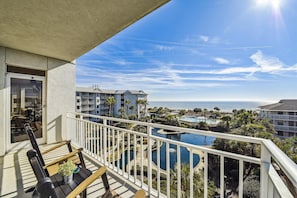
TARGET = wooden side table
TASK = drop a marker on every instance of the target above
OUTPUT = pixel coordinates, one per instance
(63, 189)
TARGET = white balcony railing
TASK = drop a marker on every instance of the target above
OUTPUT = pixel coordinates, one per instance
(138, 157)
(285, 128)
(281, 117)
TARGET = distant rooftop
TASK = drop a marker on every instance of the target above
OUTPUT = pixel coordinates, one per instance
(108, 91)
(282, 105)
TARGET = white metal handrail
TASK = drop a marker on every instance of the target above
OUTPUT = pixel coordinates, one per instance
(108, 144)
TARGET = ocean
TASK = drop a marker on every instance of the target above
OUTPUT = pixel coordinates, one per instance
(225, 106)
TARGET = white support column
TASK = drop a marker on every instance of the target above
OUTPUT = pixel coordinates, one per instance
(264, 178)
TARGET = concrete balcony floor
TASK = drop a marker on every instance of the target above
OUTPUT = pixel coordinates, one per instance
(16, 175)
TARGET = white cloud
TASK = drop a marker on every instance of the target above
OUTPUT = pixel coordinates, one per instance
(267, 63)
(121, 62)
(164, 47)
(233, 70)
(220, 60)
(214, 40)
(204, 38)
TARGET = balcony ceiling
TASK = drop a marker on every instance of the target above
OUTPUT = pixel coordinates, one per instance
(66, 29)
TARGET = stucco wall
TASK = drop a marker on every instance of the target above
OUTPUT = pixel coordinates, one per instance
(59, 97)
(2, 100)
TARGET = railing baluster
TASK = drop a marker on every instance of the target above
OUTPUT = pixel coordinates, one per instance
(108, 145)
(123, 154)
(158, 168)
(149, 155)
(118, 150)
(222, 176)
(129, 157)
(205, 174)
(141, 163)
(191, 173)
(240, 184)
(168, 168)
(271, 188)
(97, 142)
(113, 149)
(87, 137)
(92, 139)
(104, 141)
(178, 165)
(135, 159)
(101, 144)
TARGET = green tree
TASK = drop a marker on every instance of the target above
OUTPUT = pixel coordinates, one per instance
(127, 102)
(122, 112)
(110, 101)
(289, 146)
(197, 110)
(141, 104)
(216, 108)
(198, 183)
(226, 119)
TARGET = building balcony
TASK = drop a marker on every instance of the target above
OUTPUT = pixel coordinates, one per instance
(281, 117)
(173, 167)
(17, 177)
(285, 128)
(164, 165)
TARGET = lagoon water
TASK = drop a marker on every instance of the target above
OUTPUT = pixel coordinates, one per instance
(226, 106)
(185, 159)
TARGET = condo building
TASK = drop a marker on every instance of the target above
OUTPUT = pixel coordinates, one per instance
(92, 100)
(283, 115)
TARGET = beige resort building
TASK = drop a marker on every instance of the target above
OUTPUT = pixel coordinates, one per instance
(283, 116)
(92, 100)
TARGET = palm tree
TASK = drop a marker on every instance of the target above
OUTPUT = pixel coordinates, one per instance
(127, 102)
(198, 183)
(140, 103)
(122, 112)
(226, 119)
(110, 101)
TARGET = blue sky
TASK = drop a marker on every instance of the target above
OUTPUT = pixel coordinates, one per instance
(200, 50)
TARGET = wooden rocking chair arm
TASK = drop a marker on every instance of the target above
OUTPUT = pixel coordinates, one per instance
(82, 186)
(66, 142)
(140, 194)
(63, 158)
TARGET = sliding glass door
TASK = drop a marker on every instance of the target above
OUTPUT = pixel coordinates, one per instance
(25, 106)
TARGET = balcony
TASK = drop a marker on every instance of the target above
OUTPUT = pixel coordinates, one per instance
(285, 128)
(16, 175)
(281, 117)
(147, 166)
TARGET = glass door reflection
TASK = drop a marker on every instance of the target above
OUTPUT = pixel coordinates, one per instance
(25, 107)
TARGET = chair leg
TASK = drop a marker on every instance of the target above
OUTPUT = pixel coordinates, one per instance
(84, 194)
(105, 181)
(82, 162)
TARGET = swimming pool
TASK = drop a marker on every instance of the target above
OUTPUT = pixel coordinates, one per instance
(194, 119)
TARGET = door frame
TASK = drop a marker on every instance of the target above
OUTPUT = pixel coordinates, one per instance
(18, 145)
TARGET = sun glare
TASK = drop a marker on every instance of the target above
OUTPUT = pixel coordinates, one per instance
(275, 4)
